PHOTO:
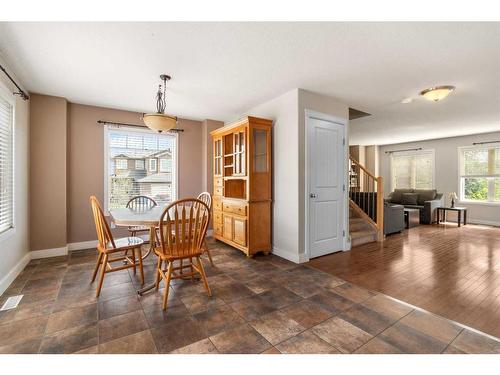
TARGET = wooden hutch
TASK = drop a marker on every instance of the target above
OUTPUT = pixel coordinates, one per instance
(242, 185)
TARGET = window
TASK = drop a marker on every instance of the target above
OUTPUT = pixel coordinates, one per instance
(164, 165)
(480, 174)
(139, 164)
(121, 164)
(6, 164)
(152, 165)
(122, 185)
(413, 170)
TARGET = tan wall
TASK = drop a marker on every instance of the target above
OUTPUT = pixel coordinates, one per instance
(48, 137)
(86, 163)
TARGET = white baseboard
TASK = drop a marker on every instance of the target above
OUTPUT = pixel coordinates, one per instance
(295, 258)
(14, 272)
(49, 253)
(82, 245)
(484, 222)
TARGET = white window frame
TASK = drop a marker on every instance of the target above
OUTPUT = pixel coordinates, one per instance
(489, 179)
(6, 94)
(151, 169)
(160, 169)
(142, 164)
(414, 153)
(121, 160)
(175, 173)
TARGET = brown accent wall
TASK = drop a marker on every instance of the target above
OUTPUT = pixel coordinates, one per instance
(48, 155)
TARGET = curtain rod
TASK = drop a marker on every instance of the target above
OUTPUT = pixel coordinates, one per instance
(408, 149)
(133, 125)
(485, 143)
(21, 93)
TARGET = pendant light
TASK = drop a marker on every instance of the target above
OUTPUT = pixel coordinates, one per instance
(159, 121)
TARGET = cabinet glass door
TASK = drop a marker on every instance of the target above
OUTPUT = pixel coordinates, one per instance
(218, 157)
(239, 153)
(260, 162)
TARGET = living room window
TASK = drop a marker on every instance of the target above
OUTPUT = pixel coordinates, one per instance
(6, 163)
(480, 174)
(128, 179)
(412, 170)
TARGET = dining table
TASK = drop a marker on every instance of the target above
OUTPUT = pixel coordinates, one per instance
(150, 217)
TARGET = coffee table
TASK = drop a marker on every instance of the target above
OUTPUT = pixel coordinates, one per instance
(412, 217)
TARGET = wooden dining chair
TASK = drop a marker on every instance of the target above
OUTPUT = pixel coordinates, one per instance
(206, 198)
(107, 246)
(183, 226)
(140, 203)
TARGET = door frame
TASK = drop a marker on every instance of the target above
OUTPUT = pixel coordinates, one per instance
(309, 115)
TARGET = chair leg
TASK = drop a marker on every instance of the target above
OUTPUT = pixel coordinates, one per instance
(167, 284)
(103, 271)
(204, 276)
(209, 256)
(192, 269)
(134, 261)
(99, 260)
(158, 273)
(140, 265)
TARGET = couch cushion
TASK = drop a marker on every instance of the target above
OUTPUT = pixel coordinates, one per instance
(409, 199)
(415, 206)
(396, 194)
(425, 195)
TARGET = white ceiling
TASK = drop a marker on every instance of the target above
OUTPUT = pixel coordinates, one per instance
(220, 70)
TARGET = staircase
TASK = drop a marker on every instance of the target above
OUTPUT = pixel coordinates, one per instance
(366, 205)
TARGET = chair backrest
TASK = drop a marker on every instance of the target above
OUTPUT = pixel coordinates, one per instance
(183, 225)
(206, 198)
(104, 235)
(141, 203)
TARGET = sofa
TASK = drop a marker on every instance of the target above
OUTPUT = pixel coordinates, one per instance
(394, 218)
(426, 200)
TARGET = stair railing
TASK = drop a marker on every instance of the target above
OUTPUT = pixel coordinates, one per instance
(366, 196)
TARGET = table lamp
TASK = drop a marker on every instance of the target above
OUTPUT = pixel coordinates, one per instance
(453, 197)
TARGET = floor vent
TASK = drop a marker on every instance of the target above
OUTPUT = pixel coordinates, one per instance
(11, 302)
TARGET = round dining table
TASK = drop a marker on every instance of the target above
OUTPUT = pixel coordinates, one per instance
(127, 217)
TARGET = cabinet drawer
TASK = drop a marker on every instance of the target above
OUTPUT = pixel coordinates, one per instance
(218, 217)
(218, 190)
(235, 208)
(240, 231)
(218, 182)
(217, 203)
(218, 229)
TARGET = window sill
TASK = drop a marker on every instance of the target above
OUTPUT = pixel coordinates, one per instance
(479, 203)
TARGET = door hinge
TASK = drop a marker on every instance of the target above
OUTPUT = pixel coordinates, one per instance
(343, 187)
(343, 141)
(343, 233)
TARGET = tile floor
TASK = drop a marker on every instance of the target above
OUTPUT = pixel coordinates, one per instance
(260, 305)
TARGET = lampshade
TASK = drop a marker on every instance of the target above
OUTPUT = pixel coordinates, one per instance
(453, 195)
(159, 122)
(437, 93)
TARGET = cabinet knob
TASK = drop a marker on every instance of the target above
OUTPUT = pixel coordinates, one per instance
(312, 195)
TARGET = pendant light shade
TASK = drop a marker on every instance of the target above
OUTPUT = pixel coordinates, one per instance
(159, 121)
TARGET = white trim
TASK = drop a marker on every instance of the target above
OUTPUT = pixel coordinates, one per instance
(14, 272)
(345, 123)
(49, 253)
(82, 245)
(295, 258)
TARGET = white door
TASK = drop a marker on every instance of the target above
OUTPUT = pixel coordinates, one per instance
(326, 156)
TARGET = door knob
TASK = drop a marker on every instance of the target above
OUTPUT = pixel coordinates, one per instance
(312, 195)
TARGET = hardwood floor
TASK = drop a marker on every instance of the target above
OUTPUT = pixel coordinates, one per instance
(450, 271)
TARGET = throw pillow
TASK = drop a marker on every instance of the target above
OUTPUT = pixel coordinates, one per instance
(409, 199)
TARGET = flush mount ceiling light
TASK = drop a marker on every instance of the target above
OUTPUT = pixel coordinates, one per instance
(437, 93)
(159, 121)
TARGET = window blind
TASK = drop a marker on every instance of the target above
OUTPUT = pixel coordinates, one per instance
(140, 163)
(6, 166)
(414, 170)
(480, 174)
